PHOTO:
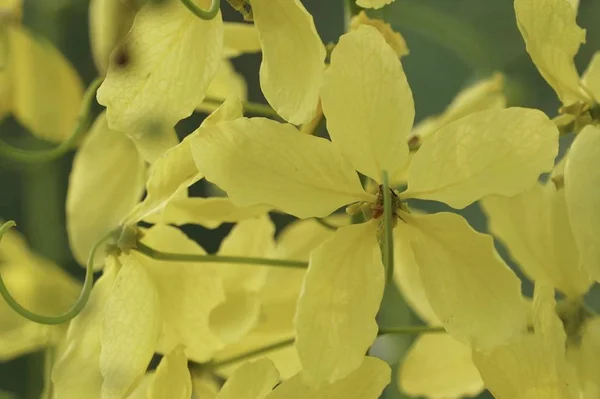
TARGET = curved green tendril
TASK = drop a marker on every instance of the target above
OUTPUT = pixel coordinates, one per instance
(69, 314)
(206, 15)
(38, 156)
(388, 220)
(166, 256)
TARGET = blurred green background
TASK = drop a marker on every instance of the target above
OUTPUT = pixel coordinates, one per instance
(452, 44)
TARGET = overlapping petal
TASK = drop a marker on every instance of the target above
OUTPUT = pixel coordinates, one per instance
(373, 3)
(291, 73)
(591, 76)
(240, 38)
(473, 292)
(368, 103)
(106, 181)
(553, 39)
(393, 38)
(171, 57)
(489, 152)
(253, 380)
(259, 161)
(172, 379)
(582, 191)
(342, 292)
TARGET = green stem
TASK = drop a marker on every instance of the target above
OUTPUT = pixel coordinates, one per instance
(411, 330)
(33, 156)
(69, 314)
(388, 220)
(206, 15)
(166, 256)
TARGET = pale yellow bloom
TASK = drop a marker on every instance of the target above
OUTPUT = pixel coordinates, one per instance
(373, 3)
(393, 38)
(369, 110)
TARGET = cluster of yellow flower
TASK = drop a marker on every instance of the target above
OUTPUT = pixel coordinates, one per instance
(293, 317)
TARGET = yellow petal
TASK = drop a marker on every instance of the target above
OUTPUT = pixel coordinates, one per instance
(366, 382)
(253, 380)
(176, 170)
(536, 230)
(76, 373)
(393, 38)
(335, 320)
(141, 389)
(259, 161)
(172, 379)
(482, 95)
(490, 152)
(236, 317)
(240, 38)
(438, 366)
(521, 369)
(227, 82)
(207, 212)
(591, 76)
(188, 293)
(204, 385)
(473, 292)
(12, 10)
(406, 274)
(109, 21)
(154, 142)
(582, 192)
(106, 181)
(590, 354)
(130, 330)
(291, 72)
(553, 39)
(373, 3)
(172, 57)
(368, 103)
(46, 90)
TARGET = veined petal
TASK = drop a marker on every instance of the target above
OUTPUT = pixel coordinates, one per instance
(240, 38)
(366, 382)
(291, 73)
(537, 232)
(172, 379)
(259, 161)
(490, 152)
(46, 90)
(172, 57)
(253, 380)
(437, 366)
(343, 288)
(473, 292)
(76, 373)
(553, 39)
(393, 38)
(406, 274)
(188, 294)
(591, 76)
(368, 103)
(373, 3)
(582, 192)
(208, 212)
(130, 331)
(106, 181)
(176, 170)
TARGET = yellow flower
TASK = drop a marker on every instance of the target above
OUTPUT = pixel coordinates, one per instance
(369, 110)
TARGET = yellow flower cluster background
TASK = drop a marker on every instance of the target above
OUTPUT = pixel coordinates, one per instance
(265, 199)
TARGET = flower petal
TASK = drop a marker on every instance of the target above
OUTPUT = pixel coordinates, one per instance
(240, 38)
(233, 319)
(154, 142)
(373, 3)
(368, 103)
(393, 38)
(107, 180)
(437, 366)
(473, 292)
(591, 76)
(366, 382)
(76, 373)
(166, 46)
(131, 328)
(291, 73)
(253, 380)
(537, 232)
(335, 320)
(553, 39)
(489, 152)
(188, 293)
(259, 161)
(227, 82)
(172, 379)
(582, 192)
(46, 90)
